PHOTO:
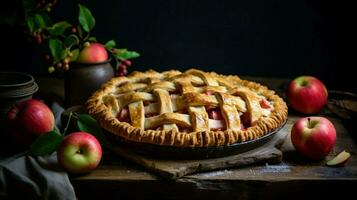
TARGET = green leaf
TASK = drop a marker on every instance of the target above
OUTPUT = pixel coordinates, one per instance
(31, 24)
(92, 39)
(57, 49)
(46, 144)
(110, 44)
(88, 124)
(37, 21)
(86, 18)
(59, 28)
(124, 54)
(80, 31)
(40, 21)
(63, 54)
(75, 54)
(71, 40)
(46, 18)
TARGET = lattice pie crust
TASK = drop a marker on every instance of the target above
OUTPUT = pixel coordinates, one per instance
(190, 109)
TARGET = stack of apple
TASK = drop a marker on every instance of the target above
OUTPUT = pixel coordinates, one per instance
(313, 136)
(78, 152)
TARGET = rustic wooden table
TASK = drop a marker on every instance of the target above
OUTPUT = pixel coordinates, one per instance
(294, 177)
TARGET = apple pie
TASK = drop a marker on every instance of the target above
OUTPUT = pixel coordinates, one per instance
(186, 109)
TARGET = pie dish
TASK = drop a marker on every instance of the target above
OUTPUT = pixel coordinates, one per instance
(186, 109)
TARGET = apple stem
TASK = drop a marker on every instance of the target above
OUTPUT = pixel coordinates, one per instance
(304, 83)
(309, 122)
(69, 119)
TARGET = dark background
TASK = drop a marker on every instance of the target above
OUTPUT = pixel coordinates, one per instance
(272, 38)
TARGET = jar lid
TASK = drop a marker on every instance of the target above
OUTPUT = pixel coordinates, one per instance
(16, 84)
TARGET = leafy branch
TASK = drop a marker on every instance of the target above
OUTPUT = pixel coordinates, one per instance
(64, 39)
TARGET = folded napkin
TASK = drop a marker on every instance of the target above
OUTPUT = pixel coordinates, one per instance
(34, 178)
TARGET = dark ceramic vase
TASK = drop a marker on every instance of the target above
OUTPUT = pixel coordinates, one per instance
(82, 79)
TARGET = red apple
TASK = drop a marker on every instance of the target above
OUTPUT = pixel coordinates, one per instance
(307, 94)
(79, 152)
(313, 137)
(93, 53)
(28, 120)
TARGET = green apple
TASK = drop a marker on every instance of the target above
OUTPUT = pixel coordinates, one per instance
(79, 152)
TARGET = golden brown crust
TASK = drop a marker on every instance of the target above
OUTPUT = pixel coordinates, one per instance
(103, 106)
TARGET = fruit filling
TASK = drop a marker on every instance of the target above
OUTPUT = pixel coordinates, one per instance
(264, 104)
(124, 115)
(215, 114)
(244, 119)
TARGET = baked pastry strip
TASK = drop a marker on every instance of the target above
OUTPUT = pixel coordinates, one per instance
(165, 106)
(137, 114)
(252, 102)
(199, 118)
